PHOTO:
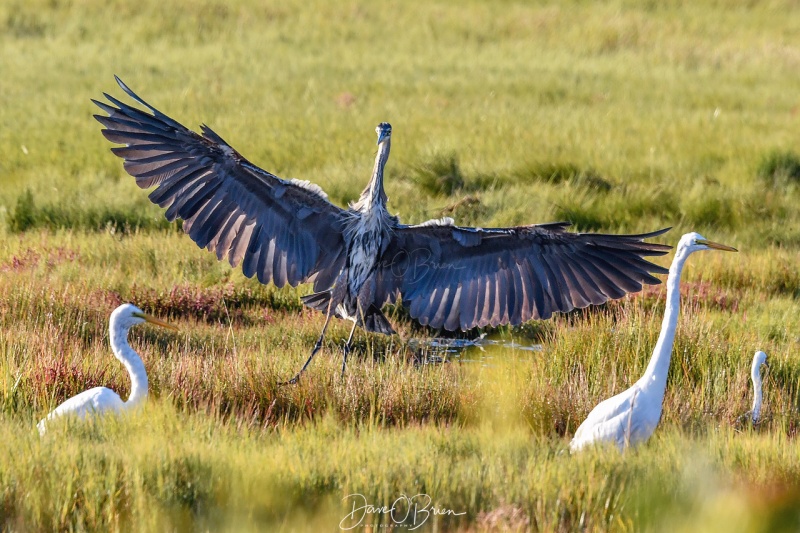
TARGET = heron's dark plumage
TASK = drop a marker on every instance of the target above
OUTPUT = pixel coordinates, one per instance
(286, 231)
(511, 275)
(279, 230)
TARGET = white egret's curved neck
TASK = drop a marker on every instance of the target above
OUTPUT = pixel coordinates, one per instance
(657, 369)
(118, 335)
(757, 392)
(374, 196)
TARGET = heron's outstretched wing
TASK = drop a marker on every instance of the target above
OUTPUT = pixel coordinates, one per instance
(280, 230)
(455, 277)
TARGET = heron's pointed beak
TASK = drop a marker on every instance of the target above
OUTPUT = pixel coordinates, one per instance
(717, 246)
(382, 136)
(157, 322)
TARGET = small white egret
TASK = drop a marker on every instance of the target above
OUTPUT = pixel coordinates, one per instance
(101, 399)
(760, 358)
(631, 416)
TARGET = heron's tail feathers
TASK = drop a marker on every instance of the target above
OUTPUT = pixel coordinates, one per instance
(376, 321)
(318, 301)
(373, 319)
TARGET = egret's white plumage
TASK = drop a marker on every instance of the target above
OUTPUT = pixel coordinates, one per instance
(759, 359)
(101, 399)
(631, 416)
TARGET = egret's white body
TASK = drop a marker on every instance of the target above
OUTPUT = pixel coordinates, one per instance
(101, 399)
(631, 417)
(759, 359)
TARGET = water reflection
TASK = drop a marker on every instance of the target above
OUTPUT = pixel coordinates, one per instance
(437, 350)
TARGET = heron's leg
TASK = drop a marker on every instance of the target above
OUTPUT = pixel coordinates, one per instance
(317, 347)
(347, 347)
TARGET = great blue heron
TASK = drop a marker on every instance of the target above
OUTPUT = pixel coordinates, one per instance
(759, 359)
(286, 231)
(631, 416)
(101, 399)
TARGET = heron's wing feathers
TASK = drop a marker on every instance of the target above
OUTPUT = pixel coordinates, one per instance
(280, 230)
(456, 277)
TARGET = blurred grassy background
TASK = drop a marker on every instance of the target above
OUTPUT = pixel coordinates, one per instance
(618, 116)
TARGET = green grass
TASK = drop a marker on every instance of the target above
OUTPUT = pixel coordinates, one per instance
(617, 116)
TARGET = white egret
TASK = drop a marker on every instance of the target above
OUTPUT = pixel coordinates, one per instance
(760, 358)
(101, 399)
(631, 416)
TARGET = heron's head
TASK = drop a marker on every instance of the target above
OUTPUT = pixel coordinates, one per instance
(128, 315)
(694, 242)
(760, 358)
(384, 131)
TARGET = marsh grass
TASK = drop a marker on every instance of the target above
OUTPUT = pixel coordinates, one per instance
(486, 437)
(616, 116)
(26, 215)
(220, 475)
(780, 169)
(441, 175)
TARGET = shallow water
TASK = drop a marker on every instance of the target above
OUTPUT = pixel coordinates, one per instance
(479, 350)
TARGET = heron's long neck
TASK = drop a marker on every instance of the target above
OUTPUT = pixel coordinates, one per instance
(656, 373)
(374, 195)
(757, 394)
(132, 361)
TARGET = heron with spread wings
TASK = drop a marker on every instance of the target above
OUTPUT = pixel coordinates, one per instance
(359, 258)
